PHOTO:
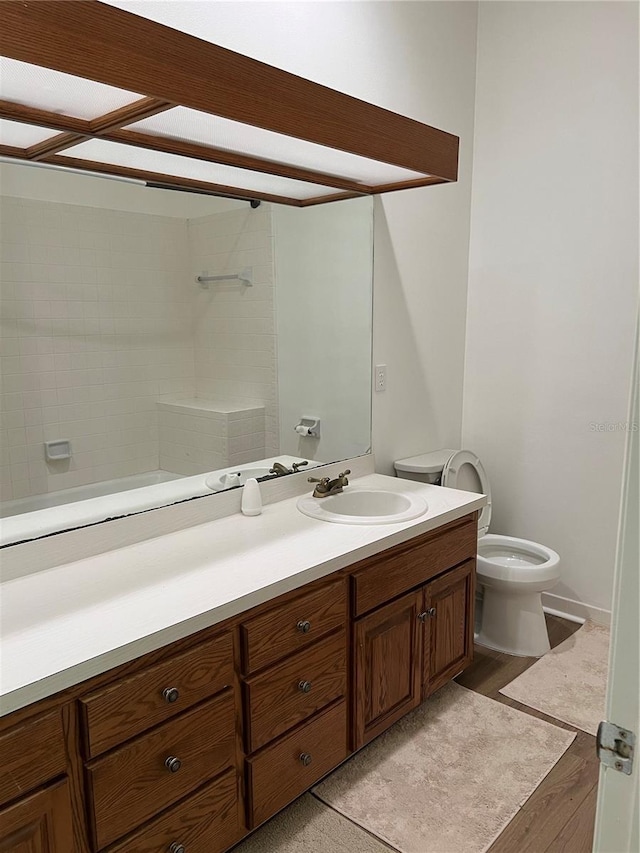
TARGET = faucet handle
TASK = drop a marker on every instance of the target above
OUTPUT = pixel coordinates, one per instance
(323, 480)
(344, 473)
(297, 465)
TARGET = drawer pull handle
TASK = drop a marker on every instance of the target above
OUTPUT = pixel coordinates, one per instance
(427, 614)
(304, 626)
(173, 764)
(304, 686)
(176, 847)
(305, 758)
(171, 694)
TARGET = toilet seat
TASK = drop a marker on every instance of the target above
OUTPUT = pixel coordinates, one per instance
(464, 470)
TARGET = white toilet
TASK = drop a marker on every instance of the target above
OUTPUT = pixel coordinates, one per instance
(512, 572)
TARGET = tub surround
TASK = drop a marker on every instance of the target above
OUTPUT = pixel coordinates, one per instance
(68, 623)
(204, 435)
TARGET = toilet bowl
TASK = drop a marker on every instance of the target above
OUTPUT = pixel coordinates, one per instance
(511, 572)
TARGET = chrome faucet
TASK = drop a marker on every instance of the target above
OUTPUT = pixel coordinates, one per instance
(328, 487)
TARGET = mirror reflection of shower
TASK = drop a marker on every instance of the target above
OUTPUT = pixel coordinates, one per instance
(141, 382)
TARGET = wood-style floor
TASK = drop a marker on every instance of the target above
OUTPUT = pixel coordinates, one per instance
(559, 816)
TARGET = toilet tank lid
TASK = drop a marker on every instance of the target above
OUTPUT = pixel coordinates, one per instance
(427, 463)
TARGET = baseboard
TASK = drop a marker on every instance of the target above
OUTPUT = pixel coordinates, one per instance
(575, 611)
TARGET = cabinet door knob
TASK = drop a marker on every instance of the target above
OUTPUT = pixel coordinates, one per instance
(427, 614)
(304, 626)
(171, 694)
(305, 758)
(173, 764)
(176, 847)
(304, 686)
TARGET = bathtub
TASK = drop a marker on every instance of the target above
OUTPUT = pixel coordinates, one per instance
(41, 515)
(83, 493)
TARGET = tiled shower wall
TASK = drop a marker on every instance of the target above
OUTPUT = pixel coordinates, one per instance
(235, 330)
(101, 317)
(96, 324)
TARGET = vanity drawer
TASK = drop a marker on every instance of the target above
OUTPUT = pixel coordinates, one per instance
(408, 565)
(208, 822)
(134, 783)
(115, 714)
(283, 771)
(285, 695)
(293, 626)
(32, 753)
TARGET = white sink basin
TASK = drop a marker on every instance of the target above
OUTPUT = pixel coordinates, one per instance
(219, 482)
(364, 506)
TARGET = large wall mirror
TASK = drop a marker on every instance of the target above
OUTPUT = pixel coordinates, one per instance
(127, 384)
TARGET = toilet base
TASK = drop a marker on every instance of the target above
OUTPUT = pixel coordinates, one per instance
(513, 623)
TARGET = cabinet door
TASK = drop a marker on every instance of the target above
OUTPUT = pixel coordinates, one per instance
(388, 669)
(40, 823)
(448, 637)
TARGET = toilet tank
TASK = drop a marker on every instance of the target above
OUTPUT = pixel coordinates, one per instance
(426, 468)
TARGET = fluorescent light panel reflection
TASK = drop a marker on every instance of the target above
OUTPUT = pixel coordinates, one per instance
(38, 164)
(115, 153)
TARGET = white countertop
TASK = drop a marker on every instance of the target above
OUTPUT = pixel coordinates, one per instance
(65, 624)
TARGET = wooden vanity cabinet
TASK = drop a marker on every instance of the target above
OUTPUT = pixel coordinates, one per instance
(38, 823)
(153, 739)
(387, 667)
(448, 628)
(406, 649)
(295, 656)
(194, 745)
(31, 820)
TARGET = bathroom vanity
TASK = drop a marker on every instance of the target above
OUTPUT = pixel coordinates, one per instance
(189, 747)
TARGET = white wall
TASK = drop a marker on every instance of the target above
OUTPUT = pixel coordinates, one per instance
(324, 260)
(554, 275)
(417, 59)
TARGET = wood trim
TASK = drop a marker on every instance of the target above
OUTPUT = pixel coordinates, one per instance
(52, 145)
(108, 45)
(323, 199)
(365, 189)
(12, 151)
(427, 181)
(42, 118)
(136, 111)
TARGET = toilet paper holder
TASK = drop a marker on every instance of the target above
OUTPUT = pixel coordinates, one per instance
(308, 427)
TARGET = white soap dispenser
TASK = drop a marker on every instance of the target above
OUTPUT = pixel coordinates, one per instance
(251, 498)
